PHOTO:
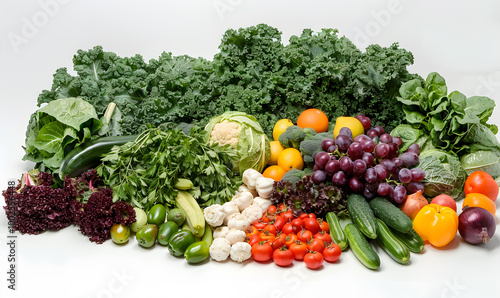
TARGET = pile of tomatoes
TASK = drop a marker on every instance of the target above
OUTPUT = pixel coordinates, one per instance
(283, 238)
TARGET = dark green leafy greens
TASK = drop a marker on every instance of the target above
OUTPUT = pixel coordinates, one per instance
(252, 73)
(144, 172)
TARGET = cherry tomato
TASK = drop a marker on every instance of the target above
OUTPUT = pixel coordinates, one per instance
(271, 209)
(332, 253)
(279, 222)
(262, 251)
(290, 239)
(304, 235)
(271, 229)
(299, 250)
(259, 224)
(324, 225)
(298, 225)
(282, 207)
(316, 244)
(311, 215)
(287, 229)
(481, 182)
(288, 216)
(283, 256)
(313, 260)
(279, 241)
(312, 225)
(266, 218)
(325, 237)
(266, 236)
(303, 215)
(252, 231)
(254, 239)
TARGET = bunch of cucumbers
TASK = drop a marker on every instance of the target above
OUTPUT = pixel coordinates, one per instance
(378, 219)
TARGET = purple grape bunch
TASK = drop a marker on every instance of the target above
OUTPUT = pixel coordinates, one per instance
(370, 164)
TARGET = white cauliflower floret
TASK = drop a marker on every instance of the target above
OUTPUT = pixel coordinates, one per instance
(214, 215)
(225, 133)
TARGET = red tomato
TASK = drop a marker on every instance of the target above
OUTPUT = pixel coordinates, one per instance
(312, 225)
(303, 215)
(288, 216)
(316, 244)
(299, 250)
(279, 241)
(287, 229)
(324, 225)
(254, 239)
(305, 235)
(298, 225)
(282, 207)
(259, 224)
(332, 253)
(271, 209)
(313, 260)
(325, 237)
(271, 229)
(481, 182)
(290, 239)
(446, 201)
(262, 251)
(266, 218)
(283, 256)
(279, 222)
(311, 215)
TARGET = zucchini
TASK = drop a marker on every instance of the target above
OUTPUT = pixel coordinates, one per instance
(336, 231)
(362, 215)
(88, 155)
(391, 245)
(391, 215)
(363, 250)
(412, 240)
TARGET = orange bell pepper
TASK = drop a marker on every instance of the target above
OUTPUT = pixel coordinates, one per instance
(436, 224)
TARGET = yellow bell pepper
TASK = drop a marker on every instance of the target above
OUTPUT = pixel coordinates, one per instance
(436, 224)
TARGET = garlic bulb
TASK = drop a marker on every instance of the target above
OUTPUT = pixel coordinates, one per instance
(220, 249)
(221, 232)
(238, 221)
(240, 252)
(243, 199)
(230, 208)
(235, 236)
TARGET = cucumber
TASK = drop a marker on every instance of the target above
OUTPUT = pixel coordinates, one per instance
(362, 215)
(336, 231)
(412, 240)
(88, 155)
(363, 250)
(391, 245)
(391, 215)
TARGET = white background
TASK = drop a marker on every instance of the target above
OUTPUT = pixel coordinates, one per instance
(458, 39)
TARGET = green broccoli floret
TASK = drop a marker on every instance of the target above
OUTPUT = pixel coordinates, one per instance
(292, 137)
(293, 176)
(312, 145)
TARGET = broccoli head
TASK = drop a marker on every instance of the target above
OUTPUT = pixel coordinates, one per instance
(294, 135)
(312, 145)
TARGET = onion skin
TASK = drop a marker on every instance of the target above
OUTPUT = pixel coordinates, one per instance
(476, 225)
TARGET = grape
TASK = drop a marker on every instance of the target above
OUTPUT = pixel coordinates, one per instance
(346, 164)
(394, 175)
(413, 187)
(332, 149)
(417, 174)
(371, 175)
(320, 159)
(339, 179)
(318, 176)
(397, 140)
(360, 138)
(368, 159)
(414, 148)
(356, 185)
(359, 168)
(409, 159)
(365, 121)
(372, 187)
(386, 138)
(346, 131)
(384, 189)
(343, 142)
(332, 166)
(326, 143)
(381, 172)
(368, 194)
(388, 165)
(379, 129)
(315, 168)
(372, 133)
(397, 161)
(368, 145)
(355, 151)
(405, 175)
(399, 194)
(393, 150)
(381, 150)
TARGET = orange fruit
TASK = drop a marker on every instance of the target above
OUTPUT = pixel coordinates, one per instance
(290, 158)
(280, 126)
(274, 172)
(314, 119)
(276, 149)
(479, 200)
(352, 123)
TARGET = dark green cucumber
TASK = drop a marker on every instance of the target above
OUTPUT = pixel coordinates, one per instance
(336, 231)
(412, 240)
(361, 248)
(88, 155)
(391, 244)
(391, 215)
(362, 215)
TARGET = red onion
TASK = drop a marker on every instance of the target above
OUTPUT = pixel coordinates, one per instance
(476, 225)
